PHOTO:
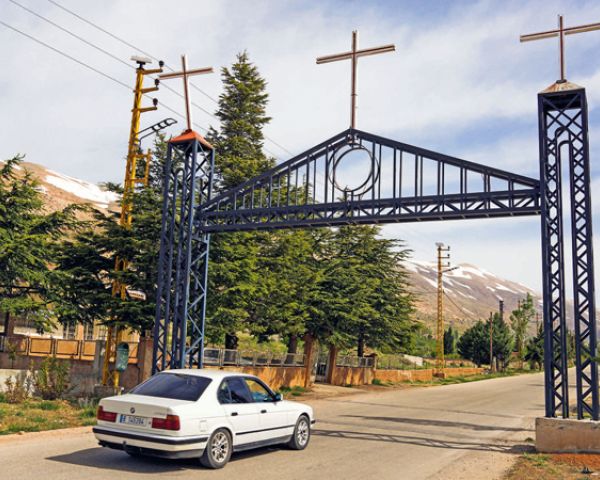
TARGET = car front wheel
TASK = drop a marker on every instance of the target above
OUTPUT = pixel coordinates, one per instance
(301, 436)
(218, 449)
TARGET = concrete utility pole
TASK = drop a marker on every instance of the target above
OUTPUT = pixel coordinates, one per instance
(119, 289)
(491, 342)
(443, 266)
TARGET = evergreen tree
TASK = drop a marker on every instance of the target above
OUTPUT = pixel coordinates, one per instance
(534, 350)
(242, 114)
(85, 269)
(27, 239)
(450, 340)
(238, 287)
(363, 298)
(474, 344)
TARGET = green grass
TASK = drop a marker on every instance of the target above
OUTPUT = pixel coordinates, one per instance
(538, 459)
(48, 405)
(37, 415)
(293, 391)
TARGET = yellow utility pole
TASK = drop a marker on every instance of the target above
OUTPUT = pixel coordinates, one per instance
(114, 334)
(443, 266)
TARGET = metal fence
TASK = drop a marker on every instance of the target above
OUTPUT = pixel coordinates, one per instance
(58, 347)
(397, 362)
(354, 361)
(250, 358)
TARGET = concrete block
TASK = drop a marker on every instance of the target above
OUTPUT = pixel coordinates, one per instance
(560, 435)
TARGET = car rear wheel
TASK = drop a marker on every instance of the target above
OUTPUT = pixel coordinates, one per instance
(301, 435)
(218, 449)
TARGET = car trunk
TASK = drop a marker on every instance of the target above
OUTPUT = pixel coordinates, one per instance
(142, 407)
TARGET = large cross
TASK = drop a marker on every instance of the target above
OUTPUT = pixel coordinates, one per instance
(560, 32)
(185, 74)
(353, 55)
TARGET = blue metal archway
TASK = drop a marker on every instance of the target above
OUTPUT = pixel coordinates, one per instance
(402, 183)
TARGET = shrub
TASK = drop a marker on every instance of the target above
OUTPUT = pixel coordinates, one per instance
(51, 381)
(17, 389)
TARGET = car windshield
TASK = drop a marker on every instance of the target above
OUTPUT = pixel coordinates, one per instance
(173, 385)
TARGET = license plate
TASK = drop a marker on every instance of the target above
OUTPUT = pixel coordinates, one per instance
(133, 420)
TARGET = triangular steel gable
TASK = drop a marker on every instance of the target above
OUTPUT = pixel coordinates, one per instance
(402, 183)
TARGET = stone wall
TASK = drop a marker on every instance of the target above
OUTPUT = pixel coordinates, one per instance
(343, 376)
(422, 375)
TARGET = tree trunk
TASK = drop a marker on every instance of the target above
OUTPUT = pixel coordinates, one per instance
(331, 364)
(293, 343)
(231, 341)
(309, 361)
(360, 351)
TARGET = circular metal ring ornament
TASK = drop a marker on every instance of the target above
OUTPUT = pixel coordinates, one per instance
(372, 177)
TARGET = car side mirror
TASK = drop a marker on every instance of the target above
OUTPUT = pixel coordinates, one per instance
(278, 397)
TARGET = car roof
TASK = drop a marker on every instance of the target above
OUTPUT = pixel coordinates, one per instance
(208, 373)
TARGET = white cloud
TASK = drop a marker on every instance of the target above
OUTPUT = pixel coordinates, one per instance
(453, 76)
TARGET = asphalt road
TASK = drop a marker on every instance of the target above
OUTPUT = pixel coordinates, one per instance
(456, 431)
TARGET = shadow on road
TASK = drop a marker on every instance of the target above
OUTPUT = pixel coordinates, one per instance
(115, 460)
(440, 423)
(106, 459)
(425, 442)
(540, 407)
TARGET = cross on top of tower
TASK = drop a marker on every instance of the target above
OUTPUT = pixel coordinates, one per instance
(185, 74)
(560, 32)
(353, 56)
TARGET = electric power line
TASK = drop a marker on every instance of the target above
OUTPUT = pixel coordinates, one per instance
(90, 67)
(125, 42)
(460, 308)
(66, 55)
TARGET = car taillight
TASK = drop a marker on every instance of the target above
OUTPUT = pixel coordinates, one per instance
(169, 423)
(106, 416)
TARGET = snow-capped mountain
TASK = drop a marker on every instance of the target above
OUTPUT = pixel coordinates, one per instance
(470, 293)
(60, 190)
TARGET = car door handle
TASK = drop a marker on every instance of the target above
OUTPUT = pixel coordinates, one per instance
(234, 414)
(263, 411)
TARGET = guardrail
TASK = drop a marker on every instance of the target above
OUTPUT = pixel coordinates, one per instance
(354, 361)
(250, 358)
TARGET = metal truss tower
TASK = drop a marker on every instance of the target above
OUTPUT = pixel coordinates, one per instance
(183, 258)
(563, 132)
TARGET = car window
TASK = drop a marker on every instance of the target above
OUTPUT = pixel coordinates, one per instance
(173, 385)
(234, 390)
(224, 395)
(258, 391)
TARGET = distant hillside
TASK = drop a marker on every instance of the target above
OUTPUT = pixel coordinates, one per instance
(471, 293)
(60, 190)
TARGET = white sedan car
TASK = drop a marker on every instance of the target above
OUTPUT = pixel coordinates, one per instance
(207, 414)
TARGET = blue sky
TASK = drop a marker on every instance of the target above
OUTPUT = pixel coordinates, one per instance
(460, 83)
